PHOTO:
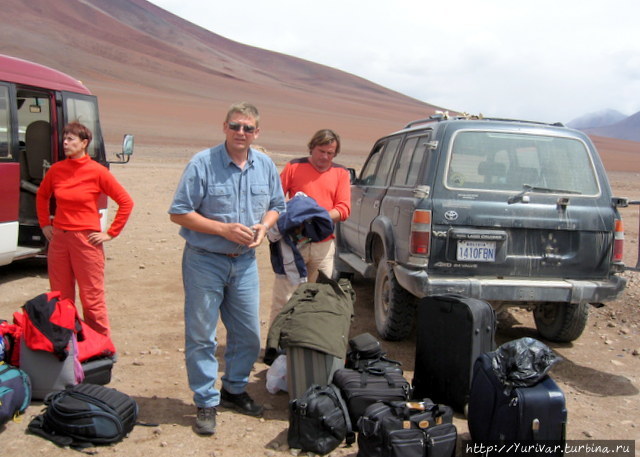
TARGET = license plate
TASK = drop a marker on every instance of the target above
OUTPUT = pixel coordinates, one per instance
(476, 251)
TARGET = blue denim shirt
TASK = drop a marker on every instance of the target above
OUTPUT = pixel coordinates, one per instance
(218, 189)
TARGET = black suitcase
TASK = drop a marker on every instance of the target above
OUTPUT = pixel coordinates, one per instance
(360, 389)
(525, 414)
(452, 332)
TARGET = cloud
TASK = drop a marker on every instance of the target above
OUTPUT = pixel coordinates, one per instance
(546, 60)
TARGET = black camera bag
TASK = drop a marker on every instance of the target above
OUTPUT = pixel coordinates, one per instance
(389, 429)
(319, 420)
(365, 352)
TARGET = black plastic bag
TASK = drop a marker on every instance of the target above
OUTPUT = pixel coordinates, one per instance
(522, 362)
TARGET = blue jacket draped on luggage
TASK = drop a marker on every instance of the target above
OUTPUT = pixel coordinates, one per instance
(302, 219)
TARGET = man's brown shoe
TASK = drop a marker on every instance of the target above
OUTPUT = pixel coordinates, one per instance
(206, 421)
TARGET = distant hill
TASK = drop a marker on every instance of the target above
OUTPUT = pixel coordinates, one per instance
(598, 119)
(609, 123)
(626, 129)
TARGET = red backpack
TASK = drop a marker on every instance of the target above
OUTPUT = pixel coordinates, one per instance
(48, 323)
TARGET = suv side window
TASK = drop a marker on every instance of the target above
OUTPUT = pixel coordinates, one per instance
(378, 168)
(368, 174)
(384, 169)
(409, 161)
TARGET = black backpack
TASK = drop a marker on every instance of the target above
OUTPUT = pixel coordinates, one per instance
(319, 420)
(85, 415)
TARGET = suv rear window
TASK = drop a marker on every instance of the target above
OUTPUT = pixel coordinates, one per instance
(503, 161)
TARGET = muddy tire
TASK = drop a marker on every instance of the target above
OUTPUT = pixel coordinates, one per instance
(561, 322)
(394, 307)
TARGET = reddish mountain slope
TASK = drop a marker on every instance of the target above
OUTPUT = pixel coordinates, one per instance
(169, 81)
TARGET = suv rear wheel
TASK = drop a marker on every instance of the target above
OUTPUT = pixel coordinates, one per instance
(394, 306)
(561, 322)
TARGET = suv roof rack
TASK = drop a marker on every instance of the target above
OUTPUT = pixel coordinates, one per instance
(435, 117)
(555, 124)
(443, 116)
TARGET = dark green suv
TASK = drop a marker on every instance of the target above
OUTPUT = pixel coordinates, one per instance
(512, 212)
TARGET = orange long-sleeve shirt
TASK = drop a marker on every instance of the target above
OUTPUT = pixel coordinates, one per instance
(330, 189)
(77, 184)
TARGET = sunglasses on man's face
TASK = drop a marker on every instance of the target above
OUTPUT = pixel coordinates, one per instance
(236, 127)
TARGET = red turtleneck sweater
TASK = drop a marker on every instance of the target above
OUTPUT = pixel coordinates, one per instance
(77, 184)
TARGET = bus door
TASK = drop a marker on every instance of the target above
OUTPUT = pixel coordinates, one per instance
(9, 181)
(36, 135)
(84, 109)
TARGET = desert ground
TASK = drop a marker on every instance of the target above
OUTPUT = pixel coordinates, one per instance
(599, 373)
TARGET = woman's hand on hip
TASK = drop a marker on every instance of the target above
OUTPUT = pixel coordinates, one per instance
(97, 238)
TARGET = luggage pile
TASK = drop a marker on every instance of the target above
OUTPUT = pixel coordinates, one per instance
(56, 349)
(370, 399)
(506, 393)
(48, 353)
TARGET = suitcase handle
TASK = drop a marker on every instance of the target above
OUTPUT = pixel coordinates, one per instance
(404, 409)
(375, 372)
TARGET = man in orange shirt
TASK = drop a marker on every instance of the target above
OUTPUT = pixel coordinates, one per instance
(329, 185)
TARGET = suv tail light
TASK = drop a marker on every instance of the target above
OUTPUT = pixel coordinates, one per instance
(618, 241)
(420, 232)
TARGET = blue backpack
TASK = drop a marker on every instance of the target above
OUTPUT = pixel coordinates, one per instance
(15, 392)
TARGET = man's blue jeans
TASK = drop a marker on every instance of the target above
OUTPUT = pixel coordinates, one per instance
(219, 286)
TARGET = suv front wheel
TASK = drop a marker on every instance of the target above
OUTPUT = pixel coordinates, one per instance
(394, 306)
(561, 322)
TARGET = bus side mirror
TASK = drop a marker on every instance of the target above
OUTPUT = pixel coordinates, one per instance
(352, 175)
(127, 149)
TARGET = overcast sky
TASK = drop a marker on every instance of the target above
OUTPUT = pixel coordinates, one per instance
(546, 60)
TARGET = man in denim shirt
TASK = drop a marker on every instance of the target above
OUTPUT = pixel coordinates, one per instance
(227, 199)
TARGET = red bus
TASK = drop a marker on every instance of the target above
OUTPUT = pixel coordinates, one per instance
(35, 104)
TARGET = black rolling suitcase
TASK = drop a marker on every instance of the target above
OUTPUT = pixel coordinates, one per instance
(522, 414)
(452, 332)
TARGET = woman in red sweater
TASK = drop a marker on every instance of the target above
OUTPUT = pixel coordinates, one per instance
(76, 252)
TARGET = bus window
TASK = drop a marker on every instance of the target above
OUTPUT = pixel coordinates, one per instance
(34, 129)
(5, 125)
(84, 109)
(32, 106)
